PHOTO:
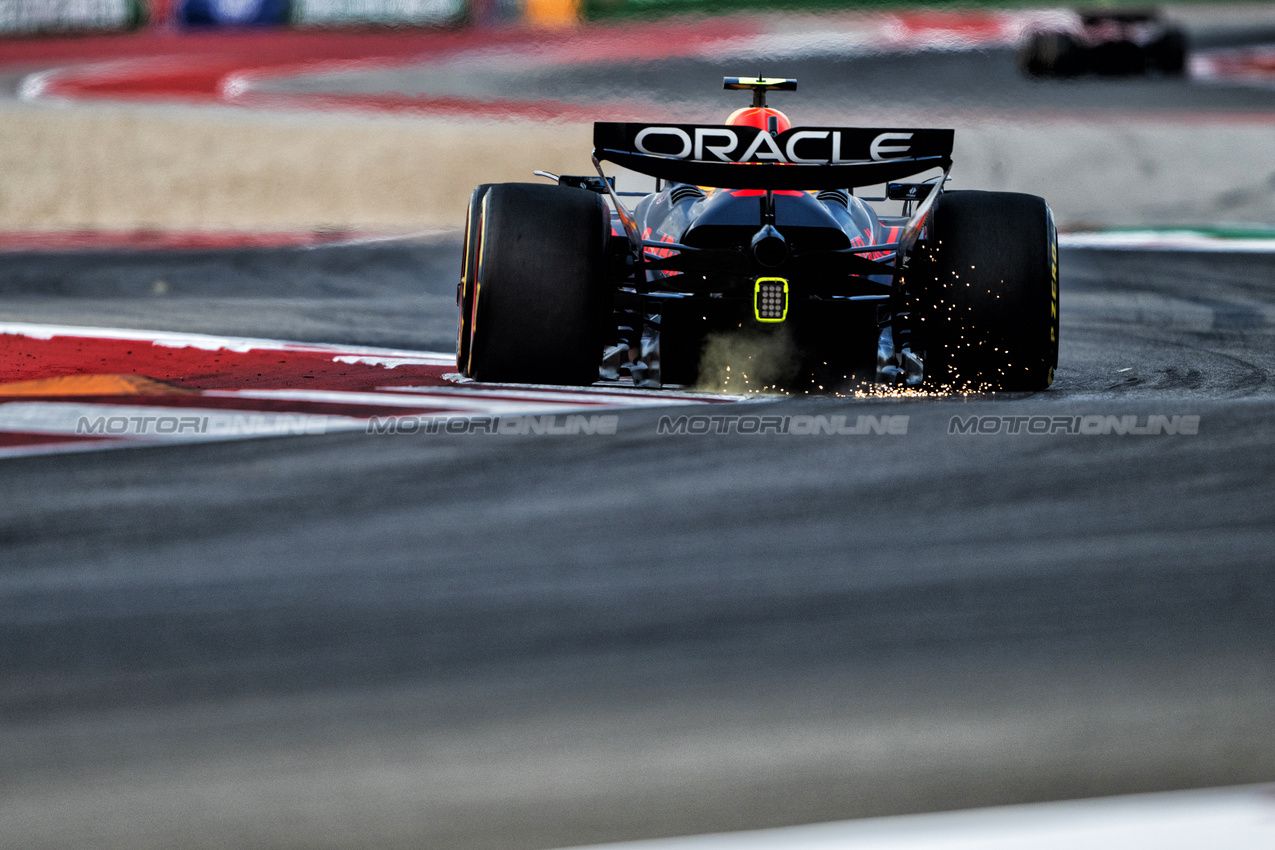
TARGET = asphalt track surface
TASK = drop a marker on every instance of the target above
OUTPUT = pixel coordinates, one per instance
(480, 641)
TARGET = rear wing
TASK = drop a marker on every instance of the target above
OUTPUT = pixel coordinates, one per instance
(751, 158)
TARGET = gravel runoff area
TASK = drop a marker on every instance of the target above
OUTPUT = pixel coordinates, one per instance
(121, 167)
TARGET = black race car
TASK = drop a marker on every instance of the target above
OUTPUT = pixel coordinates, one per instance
(754, 252)
(1106, 42)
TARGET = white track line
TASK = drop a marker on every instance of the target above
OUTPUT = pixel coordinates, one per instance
(1218, 819)
(209, 342)
(1166, 240)
(164, 424)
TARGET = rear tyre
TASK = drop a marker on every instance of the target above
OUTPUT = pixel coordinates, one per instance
(984, 293)
(539, 298)
(1030, 56)
(468, 271)
(1051, 54)
(1167, 53)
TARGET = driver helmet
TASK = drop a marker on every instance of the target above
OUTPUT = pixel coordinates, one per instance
(761, 117)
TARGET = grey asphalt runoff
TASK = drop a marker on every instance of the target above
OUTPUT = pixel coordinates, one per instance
(527, 642)
(395, 294)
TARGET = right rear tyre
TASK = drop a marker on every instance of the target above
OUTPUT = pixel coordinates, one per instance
(541, 289)
(983, 291)
(1168, 53)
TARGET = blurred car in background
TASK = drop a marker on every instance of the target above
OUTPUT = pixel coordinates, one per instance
(1105, 42)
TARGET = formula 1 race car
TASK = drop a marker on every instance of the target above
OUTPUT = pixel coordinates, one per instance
(755, 254)
(1109, 43)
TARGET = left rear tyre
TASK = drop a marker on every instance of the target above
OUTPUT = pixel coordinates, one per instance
(1051, 54)
(540, 288)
